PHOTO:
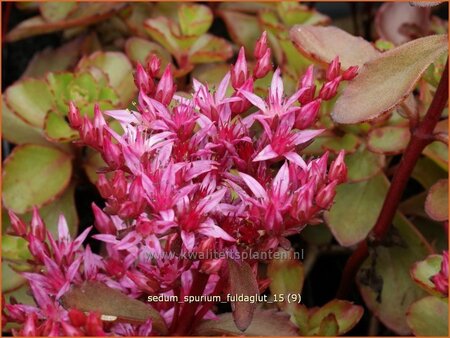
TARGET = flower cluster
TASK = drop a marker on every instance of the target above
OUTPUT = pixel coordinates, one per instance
(214, 171)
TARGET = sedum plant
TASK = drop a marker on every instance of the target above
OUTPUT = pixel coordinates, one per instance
(208, 173)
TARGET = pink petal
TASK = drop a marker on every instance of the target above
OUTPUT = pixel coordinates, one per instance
(296, 158)
(212, 230)
(281, 181)
(257, 189)
(276, 87)
(306, 135)
(254, 99)
(222, 89)
(188, 239)
(266, 154)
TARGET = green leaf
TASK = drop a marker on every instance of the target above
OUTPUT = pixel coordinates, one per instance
(429, 317)
(349, 142)
(317, 234)
(346, 314)
(13, 281)
(138, 50)
(15, 130)
(438, 152)
(384, 279)
(209, 48)
(427, 172)
(422, 271)
(329, 326)
(265, 323)
(292, 13)
(356, 209)
(118, 69)
(34, 175)
(92, 164)
(242, 282)
(387, 80)
(323, 44)
(57, 129)
(59, 84)
(388, 140)
(30, 99)
(194, 20)
(161, 30)
(436, 204)
(55, 11)
(96, 296)
(287, 277)
(244, 29)
(64, 205)
(363, 165)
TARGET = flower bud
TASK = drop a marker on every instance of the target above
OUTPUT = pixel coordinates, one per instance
(333, 69)
(18, 226)
(329, 89)
(103, 186)
(102, 221)
(350, 73)
(141, 79)
(261, 46)
(308, 78)
(338, 169)
(166, 88)
(119, 185)
(74, 116)
(37, 225)
(239, 72)
(153, 66)
(112, 154)
(325, 196)
(307, 114)
(263, 65)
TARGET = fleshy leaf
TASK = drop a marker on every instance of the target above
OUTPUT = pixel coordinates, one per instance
(329, 326)
(349, 142)
(194, 19)
(427, 172)
(118, 69)
(429, 317)
(387, 80)
(317, 234)
(243, 29)
(346, 314)
(17, 131)
(438, 152)
(422, 271)
(265, 323)
(85, 14)
(56, 11)
(242, 282)
(15, 248)
(14, 279)
(95, 296)
(92, 164)
(436, 204)
(57, 129)
(64, 205)
(161, 30)
(388, 140)
(399, 22)
(138, 50)
(287, 277)
(356, 209)
(363, 165)
(30, 99)
(384, 279)
(209, 48)
(34, 175)
(323, 44)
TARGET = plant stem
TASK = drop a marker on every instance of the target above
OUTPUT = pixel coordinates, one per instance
(421, 136)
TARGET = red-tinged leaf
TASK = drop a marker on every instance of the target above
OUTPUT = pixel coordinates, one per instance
(244, 29)
(438, 152)
(323, 44)
(242, 282)
(287, 277)
(345, 313)
(139, 50)
(56, 11)
(363, 164)
(194, 19)
(388, 140)
(57, 129)
(54, 60)
(247, 7)
(292, 13)
(356, 209)
(139, 12)
(384, 279)
(97, 297)
(436, 204)
(34, 175)
(209, 48)
(386, 81)
(265, 323)
(399, 22)
(30, 100)
(163, 31)
(349, 142)
(422, 271)
(84, 15)
(329, 326)
(429, 317)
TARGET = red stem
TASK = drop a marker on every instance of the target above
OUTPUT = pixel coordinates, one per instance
(421, 136)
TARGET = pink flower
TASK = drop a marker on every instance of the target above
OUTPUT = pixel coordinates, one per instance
(440, 280)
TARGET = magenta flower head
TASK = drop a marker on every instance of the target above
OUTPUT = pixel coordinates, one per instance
(440, 280)
(190, 178)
